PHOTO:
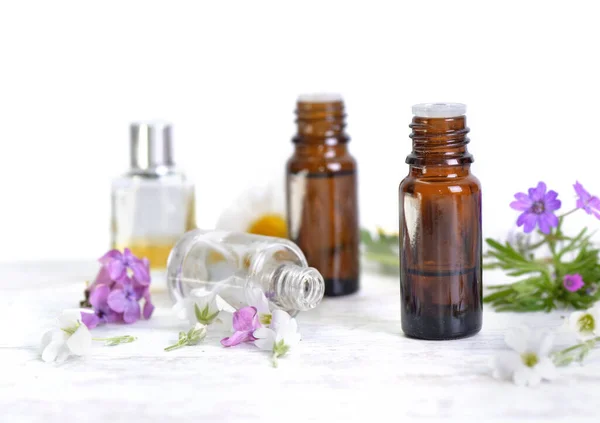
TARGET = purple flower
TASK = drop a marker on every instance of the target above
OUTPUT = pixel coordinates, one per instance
(573, 283)
(124, 299)
(586, 201)
(245, 322)
(538, 208)
(102, 312)
(118, 263)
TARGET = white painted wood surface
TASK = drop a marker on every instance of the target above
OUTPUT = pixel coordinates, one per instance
(353, 364)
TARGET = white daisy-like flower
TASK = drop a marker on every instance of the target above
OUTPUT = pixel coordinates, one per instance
(71, 337)
(256, 298)
(585, 324)
(260, 210)
(201, 307)
(529, 362)
(280, 336)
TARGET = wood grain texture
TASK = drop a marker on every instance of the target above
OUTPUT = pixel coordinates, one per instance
(353, 364)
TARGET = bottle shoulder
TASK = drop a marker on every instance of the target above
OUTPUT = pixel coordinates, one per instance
(171, 179)
(441, 184)
(321, 162)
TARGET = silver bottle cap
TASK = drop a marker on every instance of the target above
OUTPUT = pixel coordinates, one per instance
(151, 146)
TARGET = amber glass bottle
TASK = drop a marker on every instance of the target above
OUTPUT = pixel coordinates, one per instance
(440, 228)
(322, 193)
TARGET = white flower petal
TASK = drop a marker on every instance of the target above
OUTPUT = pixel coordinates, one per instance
(51, 351)
(80, 342)
(255, 297)
(265, 339)
(545, 341)
(46, 339)
(546, 369)
(574, 319)
(63, 354)
(526, 376)
(506, 363)
(69, 318)
(222, 305)
(279, 318)
(518, 338)
(595, 312)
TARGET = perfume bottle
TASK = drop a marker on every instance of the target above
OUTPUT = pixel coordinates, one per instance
(230, 264)
(440, 228)
(322, 202)
(153, 203)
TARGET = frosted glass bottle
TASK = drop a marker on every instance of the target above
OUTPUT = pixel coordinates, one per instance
(230, 263)
(153, 203)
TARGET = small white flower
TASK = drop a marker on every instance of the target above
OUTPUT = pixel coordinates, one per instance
(280, 336)
(586, 324)
(529, 362)
(71, 337)
(260, 210)
(256, 298)
(201, 307)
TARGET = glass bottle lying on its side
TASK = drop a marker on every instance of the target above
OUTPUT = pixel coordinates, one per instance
(232, 264)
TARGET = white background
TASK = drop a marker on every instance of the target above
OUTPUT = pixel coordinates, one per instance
(74, 74)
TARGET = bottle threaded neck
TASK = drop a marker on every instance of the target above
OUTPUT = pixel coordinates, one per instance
(320, 117)
(439, 141)
(298, 288)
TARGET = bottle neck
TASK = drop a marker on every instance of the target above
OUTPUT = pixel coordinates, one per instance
(439, 142)
(320, 122)
(297, 288)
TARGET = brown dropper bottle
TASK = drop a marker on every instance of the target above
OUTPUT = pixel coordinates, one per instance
(440, 228)
(322, 193)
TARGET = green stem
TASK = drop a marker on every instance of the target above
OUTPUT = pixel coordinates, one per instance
(562, 357)
(566, 214)
(174, 347)
(115, 340)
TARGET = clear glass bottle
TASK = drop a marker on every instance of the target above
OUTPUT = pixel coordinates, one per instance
(440, 228)
(229, 263)
(153, 203)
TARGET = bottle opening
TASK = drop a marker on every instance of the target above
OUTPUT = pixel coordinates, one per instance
(439, 110)
(299, 288)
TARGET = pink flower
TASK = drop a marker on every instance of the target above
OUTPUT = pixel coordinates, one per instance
(102, 312)
(573, 283)
(118, 263)
(245, 322)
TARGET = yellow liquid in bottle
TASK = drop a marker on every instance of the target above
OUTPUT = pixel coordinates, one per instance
(155, 251)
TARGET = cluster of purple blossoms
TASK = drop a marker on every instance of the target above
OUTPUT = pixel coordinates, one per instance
(123, 280)
(538, 207)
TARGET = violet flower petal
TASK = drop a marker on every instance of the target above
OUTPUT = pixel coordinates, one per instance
(246, 319)
(520, 205)
(148, 309)
(543, 223)
(140, 272)
(111, 256)
(113, 317)
(237, 338)
(90, 320)
(132, 312)
(116, 270)
(573, 283)
(99, 296)
(117, 300)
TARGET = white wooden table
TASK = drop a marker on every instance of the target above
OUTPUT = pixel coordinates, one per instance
(353, 364)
